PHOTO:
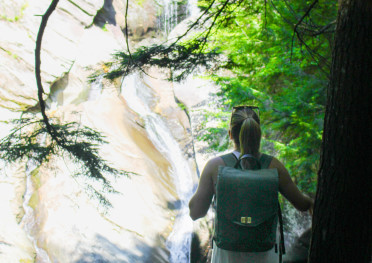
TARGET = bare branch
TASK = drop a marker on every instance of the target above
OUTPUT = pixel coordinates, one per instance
(127, 42)
(322, 30)
(42, 27)
(214, 21)
(126, 32)
(299, 22)
(306, 14)
(193, 24)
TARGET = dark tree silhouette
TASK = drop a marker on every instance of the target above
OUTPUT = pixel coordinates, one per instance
(342, 215)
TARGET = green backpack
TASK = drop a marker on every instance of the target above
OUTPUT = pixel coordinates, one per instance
(247, 207)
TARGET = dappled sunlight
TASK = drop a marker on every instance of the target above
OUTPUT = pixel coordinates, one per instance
(114, 70)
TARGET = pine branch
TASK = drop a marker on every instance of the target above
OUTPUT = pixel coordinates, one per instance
(29, 140)
(177, 58)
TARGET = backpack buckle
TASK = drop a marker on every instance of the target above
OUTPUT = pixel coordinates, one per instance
(245, 220)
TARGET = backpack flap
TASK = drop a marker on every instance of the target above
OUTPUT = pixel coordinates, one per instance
(247, 202)
(247, 193)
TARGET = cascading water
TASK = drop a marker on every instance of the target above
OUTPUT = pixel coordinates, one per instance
(95, 88)
(168, 20)
(138, 98)
(28, 221)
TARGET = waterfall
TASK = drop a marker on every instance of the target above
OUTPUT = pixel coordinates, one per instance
(168, 20)
(192, 8)
(29, 219)
(95, 89)
(138, 96)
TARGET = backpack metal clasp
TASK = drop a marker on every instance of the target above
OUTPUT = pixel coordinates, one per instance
(245, 220)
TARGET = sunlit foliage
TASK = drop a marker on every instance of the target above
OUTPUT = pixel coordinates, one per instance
(285, 76)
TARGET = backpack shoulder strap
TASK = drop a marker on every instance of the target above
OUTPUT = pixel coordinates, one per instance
(229, 159)
(265, 161)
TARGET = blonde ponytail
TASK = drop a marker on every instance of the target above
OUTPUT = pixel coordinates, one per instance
(246, 133)
(250, 140)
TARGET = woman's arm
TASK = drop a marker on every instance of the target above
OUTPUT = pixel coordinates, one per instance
(289, 189)
(201, 200)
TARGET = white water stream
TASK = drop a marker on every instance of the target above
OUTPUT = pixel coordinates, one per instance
(168, 20)
(95, 89)
(29, 219)
(138, 97)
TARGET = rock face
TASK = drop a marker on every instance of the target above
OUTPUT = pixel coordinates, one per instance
(48, 215)
(299, 251)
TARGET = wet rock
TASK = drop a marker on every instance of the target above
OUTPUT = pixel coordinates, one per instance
(15, 245)
(141, 15)
(298, 252)
(70, 45)
(201, 249)
(79, 37)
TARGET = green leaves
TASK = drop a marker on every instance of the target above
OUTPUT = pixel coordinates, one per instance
(285, 78)
(216, 135)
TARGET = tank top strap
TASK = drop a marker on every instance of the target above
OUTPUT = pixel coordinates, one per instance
(229, 159)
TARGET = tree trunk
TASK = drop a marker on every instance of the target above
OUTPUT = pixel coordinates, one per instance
(342, 214)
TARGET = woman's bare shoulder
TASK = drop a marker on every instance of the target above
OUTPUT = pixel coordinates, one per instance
(216, 161)
(275, 163)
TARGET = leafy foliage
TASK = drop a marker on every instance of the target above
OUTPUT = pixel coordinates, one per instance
(30, 141)
(287, 81)
(215, 133)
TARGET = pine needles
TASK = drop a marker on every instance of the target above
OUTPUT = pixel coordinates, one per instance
(180, 59)
(29, 140)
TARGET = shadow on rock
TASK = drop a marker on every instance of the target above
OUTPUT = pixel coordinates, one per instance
(175, 205)
(104, 251)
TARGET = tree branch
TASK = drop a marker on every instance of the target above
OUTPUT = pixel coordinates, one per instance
(193, 24)
(214, 21)
(126, 32)
(299, 22)
(40, 89)
(127, 41)
(321, 30)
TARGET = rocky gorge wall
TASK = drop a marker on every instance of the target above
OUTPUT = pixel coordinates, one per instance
(45, 213)
(46, 216)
